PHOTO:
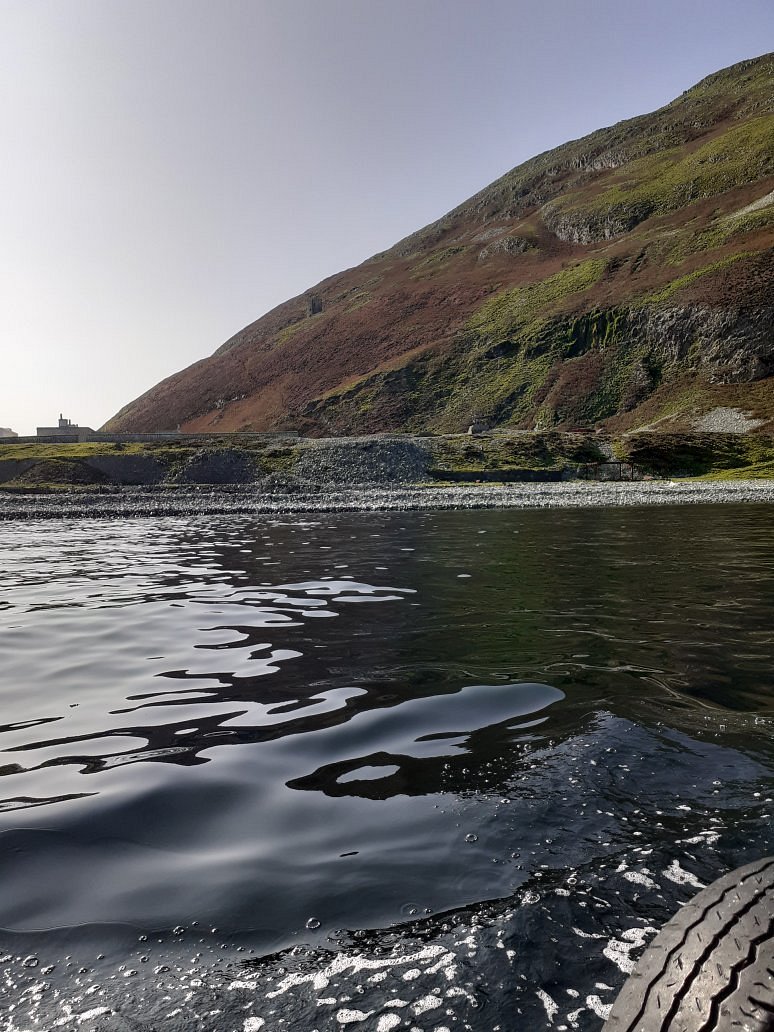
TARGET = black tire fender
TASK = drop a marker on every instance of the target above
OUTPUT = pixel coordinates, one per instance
(711, 967)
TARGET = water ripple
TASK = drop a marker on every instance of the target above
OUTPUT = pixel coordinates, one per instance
(290, 728)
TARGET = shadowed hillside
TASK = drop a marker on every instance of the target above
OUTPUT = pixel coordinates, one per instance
(624, 279)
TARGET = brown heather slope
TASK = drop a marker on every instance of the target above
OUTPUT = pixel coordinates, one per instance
(621, 279)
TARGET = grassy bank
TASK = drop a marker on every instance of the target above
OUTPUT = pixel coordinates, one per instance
(486, 457)
(709, 456)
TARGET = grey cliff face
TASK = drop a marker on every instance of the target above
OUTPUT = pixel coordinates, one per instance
(735, 344)
(578, 227)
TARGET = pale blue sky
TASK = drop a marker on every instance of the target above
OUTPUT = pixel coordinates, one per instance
(172, 169)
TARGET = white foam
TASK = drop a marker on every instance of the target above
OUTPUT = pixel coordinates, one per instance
(704, 837)
(551, 1006)
(680, 876)
(343, 963)
(588, 935)
(602, 1010)
(93, 1013)
(426, 1003)
(350, 1017)
(618, 950)
(640, 878)
(386, 1022)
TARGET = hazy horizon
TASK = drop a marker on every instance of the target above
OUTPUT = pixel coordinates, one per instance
(173, 171)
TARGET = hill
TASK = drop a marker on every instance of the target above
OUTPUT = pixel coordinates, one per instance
(623, 280)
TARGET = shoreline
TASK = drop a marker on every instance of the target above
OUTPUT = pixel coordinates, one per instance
(203, 501)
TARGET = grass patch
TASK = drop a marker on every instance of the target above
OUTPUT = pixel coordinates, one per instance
(670, 179)
(284, 335)
(435, 261)
(755, 471)
(516, 309)
(77, 450)
(22, 488)
(721, 456)
(64, 466)
(505, 453)
(667, 293)
(359, 300)
(279, 460)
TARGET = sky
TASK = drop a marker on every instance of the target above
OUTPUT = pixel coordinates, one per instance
(173, 169)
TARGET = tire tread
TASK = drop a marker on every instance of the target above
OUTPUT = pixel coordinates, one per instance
(706, 962)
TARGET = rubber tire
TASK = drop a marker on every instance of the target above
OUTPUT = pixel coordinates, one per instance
(711, 967)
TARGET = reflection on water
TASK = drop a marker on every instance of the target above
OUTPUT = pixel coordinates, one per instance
(480, 730)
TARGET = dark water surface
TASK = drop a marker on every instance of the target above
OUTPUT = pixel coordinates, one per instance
(373, 771)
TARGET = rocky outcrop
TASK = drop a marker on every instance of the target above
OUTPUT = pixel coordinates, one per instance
(581, 369)
(735, 345)
(587, 227)
(505, 245)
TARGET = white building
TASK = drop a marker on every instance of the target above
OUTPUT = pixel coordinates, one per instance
(66, 428)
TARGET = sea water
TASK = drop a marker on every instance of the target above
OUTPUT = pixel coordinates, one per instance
(443, 770)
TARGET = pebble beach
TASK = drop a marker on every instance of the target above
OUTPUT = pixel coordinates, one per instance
(294, 498)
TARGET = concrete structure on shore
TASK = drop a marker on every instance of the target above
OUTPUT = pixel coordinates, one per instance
(65, 428)
(67, 432)
(6, 432)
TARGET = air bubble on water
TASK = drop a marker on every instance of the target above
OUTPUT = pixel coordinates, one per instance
(471, 838)
(30, 962)
(160, 969)
(313, 923)
(47, 969)
(142, 938)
